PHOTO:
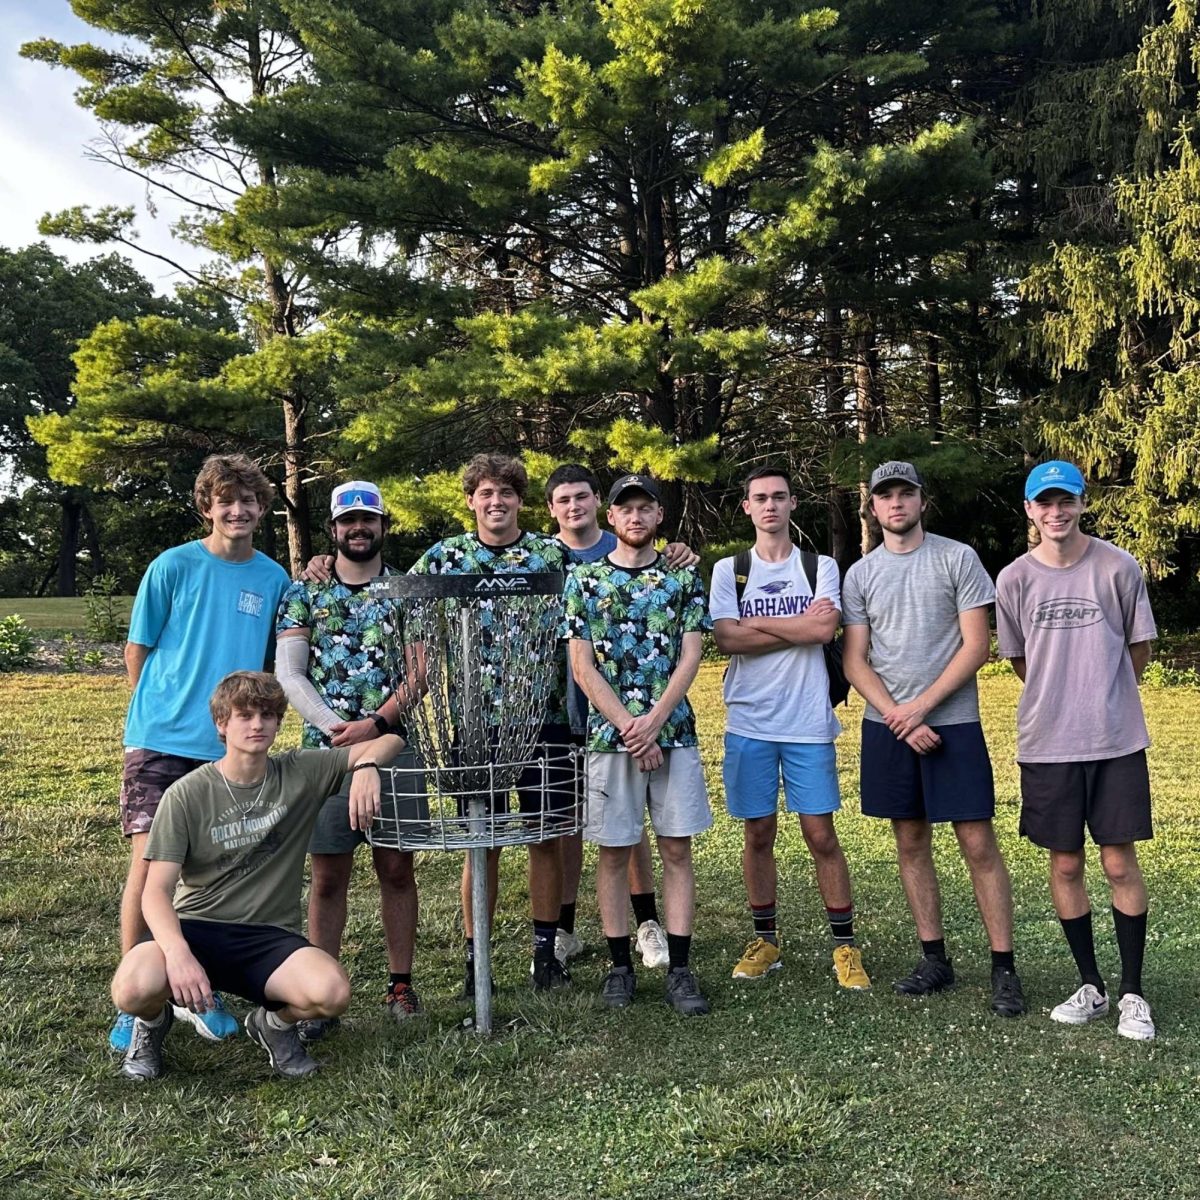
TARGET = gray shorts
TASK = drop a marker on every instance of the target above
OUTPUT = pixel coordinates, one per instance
(401, 797)
(619, 795)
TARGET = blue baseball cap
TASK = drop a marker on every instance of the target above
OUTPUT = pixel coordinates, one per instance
(1054, 475)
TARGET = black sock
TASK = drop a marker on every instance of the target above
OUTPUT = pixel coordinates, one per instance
(618, 951)
(1078, 932)
(934, 949)
(401, 977)
(566, 917)
(679, 946)
(841, 923)
(470, 951)
(543, 939)
(1002, 960)
(764, 922)
(1131, 941)
(644, 907)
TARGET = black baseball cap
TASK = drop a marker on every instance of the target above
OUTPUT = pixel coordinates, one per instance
(634, 483)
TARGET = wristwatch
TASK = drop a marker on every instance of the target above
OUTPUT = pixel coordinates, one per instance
(381, 722)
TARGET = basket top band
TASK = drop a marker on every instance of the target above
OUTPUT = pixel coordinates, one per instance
(467, 587)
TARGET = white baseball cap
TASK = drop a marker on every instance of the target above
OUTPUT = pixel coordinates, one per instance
(355, 496)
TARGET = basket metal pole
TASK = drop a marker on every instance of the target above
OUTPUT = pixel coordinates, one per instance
(477, 811)
(483, 932)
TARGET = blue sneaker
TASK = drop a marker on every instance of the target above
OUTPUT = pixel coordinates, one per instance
(215, 1025)
(121, 1032)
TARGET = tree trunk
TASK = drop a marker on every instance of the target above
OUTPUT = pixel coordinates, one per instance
(933, 386)
(68, 545)
(833, 379)
(869, 408)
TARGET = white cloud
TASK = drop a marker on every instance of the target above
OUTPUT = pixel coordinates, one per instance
(43, 139)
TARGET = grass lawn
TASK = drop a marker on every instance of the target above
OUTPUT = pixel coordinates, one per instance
(59, 613)
(790, 1088)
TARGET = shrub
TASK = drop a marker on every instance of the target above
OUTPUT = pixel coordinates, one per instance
(102, 617)
(16, 643)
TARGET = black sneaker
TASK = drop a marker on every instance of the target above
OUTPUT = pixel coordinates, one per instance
(315, 1028)
(283, 1046)
(1008, 1000)
(143, 1059)
(545, 974)
(928, 976)
(618, 987)
(683, 993)
(468, 987)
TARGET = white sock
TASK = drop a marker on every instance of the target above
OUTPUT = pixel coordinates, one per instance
(154, 1022)
(276, 1021)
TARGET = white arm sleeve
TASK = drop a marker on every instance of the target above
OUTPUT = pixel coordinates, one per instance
(291, 669)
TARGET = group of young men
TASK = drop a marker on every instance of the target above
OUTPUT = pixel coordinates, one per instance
(209, 813)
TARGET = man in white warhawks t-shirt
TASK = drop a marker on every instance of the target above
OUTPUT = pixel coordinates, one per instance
(779, 720)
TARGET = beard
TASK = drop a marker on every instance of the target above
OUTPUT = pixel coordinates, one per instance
(902, 527)
(362, 553)
(638, 540)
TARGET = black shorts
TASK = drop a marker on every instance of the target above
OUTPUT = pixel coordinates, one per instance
(562, 778)
(1110, 795)
(951, 783)
(240, 958)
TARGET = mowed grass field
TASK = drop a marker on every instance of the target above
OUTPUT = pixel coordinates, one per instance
(789, 1088)
(57, 613)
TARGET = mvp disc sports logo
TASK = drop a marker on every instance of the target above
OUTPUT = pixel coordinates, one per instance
(503, 585)
(1067, 612)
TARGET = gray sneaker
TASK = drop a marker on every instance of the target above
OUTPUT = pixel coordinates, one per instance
(683, 993)
(143, 1059)
(283, 1047)
(618, 987)
(315, 1028)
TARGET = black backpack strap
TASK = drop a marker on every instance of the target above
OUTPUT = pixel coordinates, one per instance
(809, 564)
(741, 573)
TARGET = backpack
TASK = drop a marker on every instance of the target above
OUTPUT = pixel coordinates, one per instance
(839, 686)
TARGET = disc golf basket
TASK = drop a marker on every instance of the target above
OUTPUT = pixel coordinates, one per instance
(480, 654)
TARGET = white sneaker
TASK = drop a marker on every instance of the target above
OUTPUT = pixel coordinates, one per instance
(652, 944)
(1085, 1005)
(566, 945)
(1135, 1019)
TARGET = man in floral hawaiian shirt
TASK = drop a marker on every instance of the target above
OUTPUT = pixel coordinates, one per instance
(334, 642)
(495, 487)
(635, 627)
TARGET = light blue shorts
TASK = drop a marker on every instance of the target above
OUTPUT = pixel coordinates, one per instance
(752, 769)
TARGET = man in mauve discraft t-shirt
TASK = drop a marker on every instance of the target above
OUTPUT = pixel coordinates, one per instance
(1074, 617)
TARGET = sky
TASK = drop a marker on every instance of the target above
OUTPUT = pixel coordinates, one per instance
(43, 148)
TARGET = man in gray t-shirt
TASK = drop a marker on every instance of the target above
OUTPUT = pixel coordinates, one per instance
(916, 619)
(1074, 617)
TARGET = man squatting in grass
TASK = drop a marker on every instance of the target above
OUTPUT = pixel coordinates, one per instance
(333, 648)
(573, 497)
(1074, 617)
(225, 866)
(202, 609)
(916, 621)
(778, 718)
(635, 630)
(495, 487)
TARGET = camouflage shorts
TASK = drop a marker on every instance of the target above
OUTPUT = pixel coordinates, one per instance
(147, 775)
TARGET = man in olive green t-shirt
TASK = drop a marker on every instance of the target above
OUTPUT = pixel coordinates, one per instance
(222, 899)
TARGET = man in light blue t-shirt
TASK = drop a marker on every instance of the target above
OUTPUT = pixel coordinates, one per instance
(203, 610)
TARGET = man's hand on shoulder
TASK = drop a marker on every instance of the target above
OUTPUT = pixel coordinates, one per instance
(319, 569)
(679, 555)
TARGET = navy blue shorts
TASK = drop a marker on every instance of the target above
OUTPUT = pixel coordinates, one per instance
(240, 958)
(952, 783)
